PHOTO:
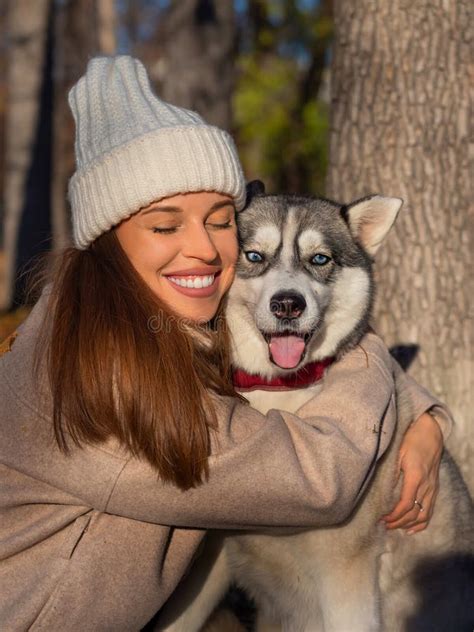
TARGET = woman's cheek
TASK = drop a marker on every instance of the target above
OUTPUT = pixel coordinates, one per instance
(230, 277)
(234, 249)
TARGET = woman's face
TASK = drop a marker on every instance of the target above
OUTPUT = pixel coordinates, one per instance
(185, 248)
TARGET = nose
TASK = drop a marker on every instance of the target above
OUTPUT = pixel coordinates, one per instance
(287, 305)
(199, 245)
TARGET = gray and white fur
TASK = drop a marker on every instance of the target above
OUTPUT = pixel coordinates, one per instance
(353, 577)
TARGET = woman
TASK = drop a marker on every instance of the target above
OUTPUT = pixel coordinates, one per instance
(121, 437)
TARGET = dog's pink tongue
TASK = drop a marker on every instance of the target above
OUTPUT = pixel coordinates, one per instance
(286, 351)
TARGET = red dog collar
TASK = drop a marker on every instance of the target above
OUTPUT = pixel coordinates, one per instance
(308, 374)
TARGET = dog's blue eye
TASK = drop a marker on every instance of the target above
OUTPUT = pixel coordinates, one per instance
(253, 256)
(320, 259)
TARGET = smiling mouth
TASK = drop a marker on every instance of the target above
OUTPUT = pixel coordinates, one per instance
(287, 349)
(194, 281)
(195, 285)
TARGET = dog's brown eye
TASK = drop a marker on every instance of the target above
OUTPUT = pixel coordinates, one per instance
(320, 260)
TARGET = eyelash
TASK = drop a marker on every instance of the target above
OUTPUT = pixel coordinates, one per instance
(222, 226)
(163, 231)
(168, 231)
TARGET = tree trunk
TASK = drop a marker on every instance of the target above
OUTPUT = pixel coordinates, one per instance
(27, 28)
(402, 82)
(77, 39)
(196, 69)
(48, 41)
(107, 26)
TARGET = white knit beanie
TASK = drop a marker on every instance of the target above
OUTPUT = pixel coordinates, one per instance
(132, 149)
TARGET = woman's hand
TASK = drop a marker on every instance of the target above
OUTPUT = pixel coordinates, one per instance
(419, 459)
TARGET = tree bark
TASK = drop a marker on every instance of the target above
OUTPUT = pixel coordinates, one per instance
(77, 39)
(402, 98)
(107, 26)
(50, 44)
(27, 28)
(196, 70)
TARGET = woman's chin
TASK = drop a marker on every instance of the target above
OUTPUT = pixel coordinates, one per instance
(194, 310)
(199, 316)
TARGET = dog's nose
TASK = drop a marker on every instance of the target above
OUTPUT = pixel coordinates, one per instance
(287, 305)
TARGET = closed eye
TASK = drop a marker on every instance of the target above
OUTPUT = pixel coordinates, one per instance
(164, 231)
(173, 229)
(228, 224)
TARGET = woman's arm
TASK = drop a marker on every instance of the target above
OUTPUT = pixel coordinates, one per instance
(279, 469)
(422, 400)
(419, 457)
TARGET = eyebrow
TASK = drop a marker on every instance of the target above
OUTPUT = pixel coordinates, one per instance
(177, 209)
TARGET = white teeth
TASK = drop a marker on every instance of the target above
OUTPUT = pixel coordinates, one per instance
(196, 282)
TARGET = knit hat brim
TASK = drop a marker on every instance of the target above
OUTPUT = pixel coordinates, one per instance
(155, 165)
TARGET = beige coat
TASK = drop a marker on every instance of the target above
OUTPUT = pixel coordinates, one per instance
(94, 541)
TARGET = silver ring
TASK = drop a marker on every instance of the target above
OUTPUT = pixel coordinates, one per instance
(417, 502)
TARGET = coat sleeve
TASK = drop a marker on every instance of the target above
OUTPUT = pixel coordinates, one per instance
(422, 401)
(280, 469)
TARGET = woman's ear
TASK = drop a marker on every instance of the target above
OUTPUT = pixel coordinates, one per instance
(370, 219)
(254, 187)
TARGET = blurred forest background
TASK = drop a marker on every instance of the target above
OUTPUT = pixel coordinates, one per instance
(332, 97)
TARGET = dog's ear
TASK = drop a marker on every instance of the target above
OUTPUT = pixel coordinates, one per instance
(370, 219)
(254, 187)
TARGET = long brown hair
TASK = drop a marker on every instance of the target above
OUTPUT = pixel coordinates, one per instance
(121, 364)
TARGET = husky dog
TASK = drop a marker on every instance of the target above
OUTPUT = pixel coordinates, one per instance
(303, 294)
